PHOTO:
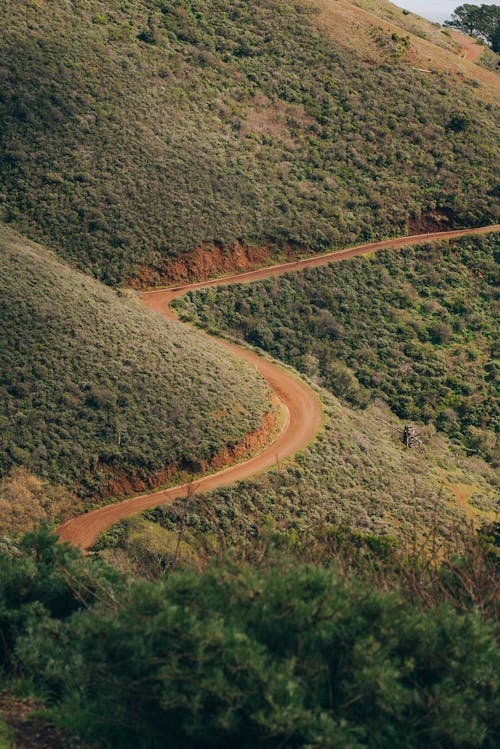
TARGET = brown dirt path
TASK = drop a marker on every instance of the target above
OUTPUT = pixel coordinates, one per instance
(471, 50)
(302, 407)
(160, 299)
(303, 417)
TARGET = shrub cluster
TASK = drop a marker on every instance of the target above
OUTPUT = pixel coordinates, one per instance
(356, 473)
(416, 327)
(294, 655)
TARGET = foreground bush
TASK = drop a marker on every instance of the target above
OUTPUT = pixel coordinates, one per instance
(295, 657)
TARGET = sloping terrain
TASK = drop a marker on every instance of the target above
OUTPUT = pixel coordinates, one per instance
(389, 34)
(357, 473)
(410, 508)
(341, 598)
(135, 133)
(417, 327)
(102, 396)
(302, 408)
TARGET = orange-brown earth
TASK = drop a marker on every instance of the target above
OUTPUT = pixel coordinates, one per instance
(201, 264)
(302, 407)
(470, 49)
(123, 483)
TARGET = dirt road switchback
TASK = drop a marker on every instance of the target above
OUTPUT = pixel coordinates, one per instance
(302, 408)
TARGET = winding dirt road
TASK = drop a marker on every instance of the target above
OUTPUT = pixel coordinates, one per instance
(302, 408)
(471, 49)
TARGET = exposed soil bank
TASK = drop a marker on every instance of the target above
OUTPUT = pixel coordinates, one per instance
(124, 483)
(205, 262)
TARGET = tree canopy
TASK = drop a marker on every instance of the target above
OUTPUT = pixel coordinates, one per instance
(481, 21)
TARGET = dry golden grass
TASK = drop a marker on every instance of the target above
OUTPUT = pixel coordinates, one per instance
(431, 47)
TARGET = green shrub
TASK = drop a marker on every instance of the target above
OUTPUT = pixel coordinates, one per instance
(287, 655)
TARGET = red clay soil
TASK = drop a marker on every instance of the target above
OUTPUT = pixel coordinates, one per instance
(470, 48)
(201, 264)
(302, 407)
(123, 483)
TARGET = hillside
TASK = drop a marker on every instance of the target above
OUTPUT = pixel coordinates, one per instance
(417, 327)
(134, 134)
(387, 33)
(410, 343)
(356, 473)
(311, 580)
(100, 395)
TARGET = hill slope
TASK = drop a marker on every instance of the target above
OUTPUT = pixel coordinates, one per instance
(101, 395)
(397, 319)
(417, 327)
(387, 33)
(133, 133)
(356, 473)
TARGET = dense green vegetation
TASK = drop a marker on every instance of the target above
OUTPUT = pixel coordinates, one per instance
(288, 654)
(5, 735)
(94, 387)
(337, 600)
(131, 132)
(417, 327)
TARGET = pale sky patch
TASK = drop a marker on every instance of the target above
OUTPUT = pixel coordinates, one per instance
(439, 10)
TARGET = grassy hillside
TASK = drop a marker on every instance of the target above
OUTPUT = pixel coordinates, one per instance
(393, 326)
(134, 132)
(418, 328)
(100, 395)
(386, 32)
(357, 473)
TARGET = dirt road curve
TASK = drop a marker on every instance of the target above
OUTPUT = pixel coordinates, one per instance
(470, 48)
(302, 407)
